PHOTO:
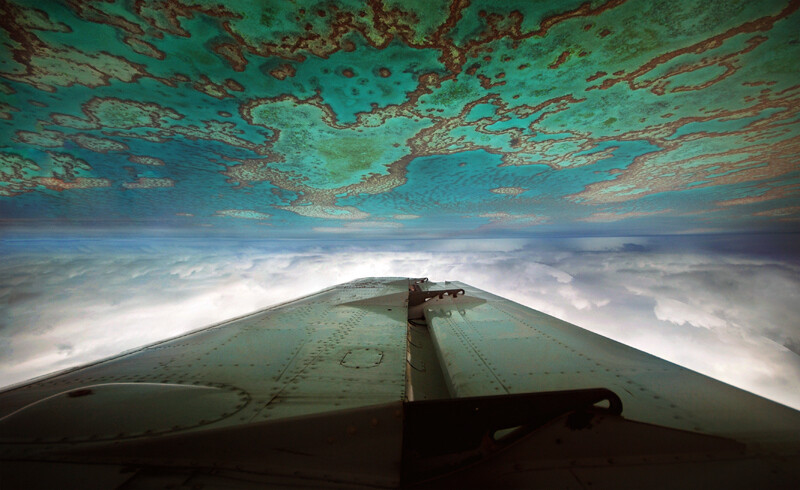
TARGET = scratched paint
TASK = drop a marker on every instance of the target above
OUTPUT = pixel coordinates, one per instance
(398, 117)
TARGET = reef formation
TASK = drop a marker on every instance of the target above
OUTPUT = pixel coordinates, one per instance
(391, 117)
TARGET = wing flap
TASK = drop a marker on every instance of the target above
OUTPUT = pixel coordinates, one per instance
(498, 346)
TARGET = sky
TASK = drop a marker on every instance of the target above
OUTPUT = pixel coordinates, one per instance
(701, 302)
(629, 166)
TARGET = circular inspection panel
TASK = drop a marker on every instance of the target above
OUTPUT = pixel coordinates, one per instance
(120, 410)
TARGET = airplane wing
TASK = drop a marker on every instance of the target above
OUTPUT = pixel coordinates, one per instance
(386, 383)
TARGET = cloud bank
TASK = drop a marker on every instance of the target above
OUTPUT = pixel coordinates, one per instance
(729, 315)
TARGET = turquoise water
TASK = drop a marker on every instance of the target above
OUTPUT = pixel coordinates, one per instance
(281, 119)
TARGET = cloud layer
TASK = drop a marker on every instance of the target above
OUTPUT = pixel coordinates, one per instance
(728, 315)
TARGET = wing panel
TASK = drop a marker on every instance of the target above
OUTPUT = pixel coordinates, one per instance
(308, 356)
(502, 347)
(468, 370)
(312, 393)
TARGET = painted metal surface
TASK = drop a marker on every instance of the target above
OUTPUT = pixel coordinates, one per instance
(502, 347)
(394, 117)
(343, 389)
(299, 358)
(113, 411)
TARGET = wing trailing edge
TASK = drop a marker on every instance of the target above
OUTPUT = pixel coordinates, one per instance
(392, 382)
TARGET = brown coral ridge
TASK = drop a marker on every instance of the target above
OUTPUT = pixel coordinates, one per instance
(28, 49)
(20, 175)
(430, 141)
(762, 24)
(377, 25)
(113, 113)
(757, 162)
(434, 140)
(60, 185)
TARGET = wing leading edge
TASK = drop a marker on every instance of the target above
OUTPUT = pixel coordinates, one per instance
(389, 382)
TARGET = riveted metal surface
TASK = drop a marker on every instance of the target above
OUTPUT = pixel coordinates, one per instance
(114, 411)
(424, 378)
(362, 357)
(502, 347)
(360, 446)
(286, 360)
(611, 452)
(311, 393)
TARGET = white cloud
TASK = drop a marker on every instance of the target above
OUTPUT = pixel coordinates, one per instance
(680, 313)
(727, 316)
